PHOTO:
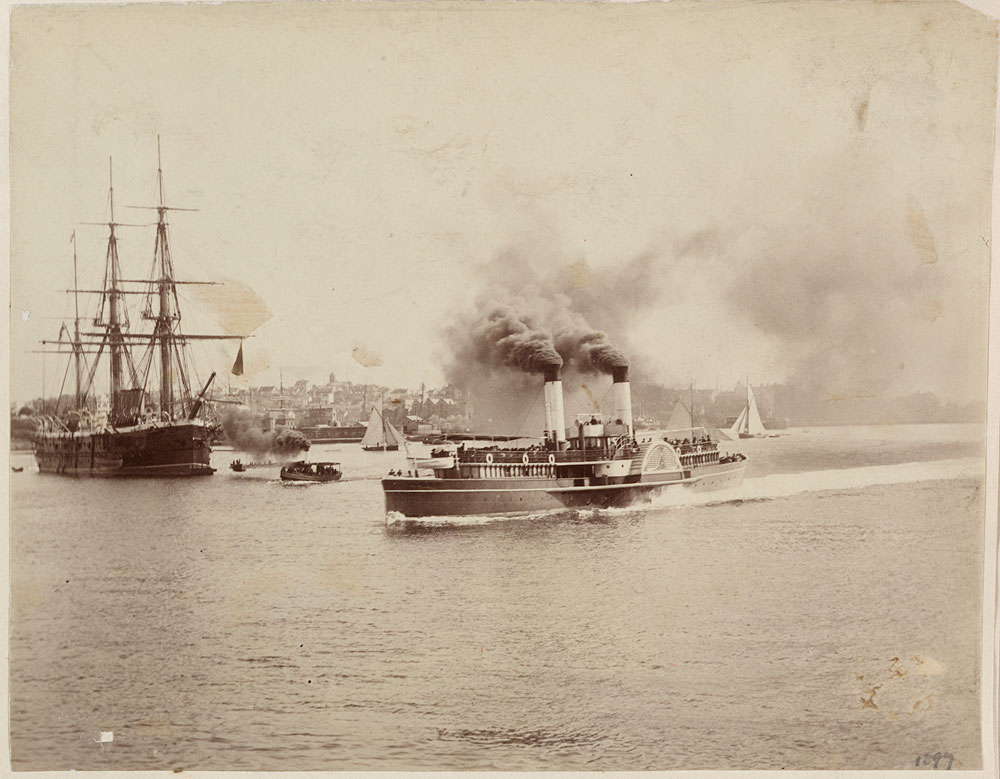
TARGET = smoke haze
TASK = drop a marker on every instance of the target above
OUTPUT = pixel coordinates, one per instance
(864, 302)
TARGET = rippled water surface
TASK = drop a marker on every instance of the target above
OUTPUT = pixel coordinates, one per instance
(828, 618)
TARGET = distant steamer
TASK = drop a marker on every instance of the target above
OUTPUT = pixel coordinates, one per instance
(601, 465)
(333, 434)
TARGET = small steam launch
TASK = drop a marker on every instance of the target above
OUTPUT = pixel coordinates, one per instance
(136, 435)
(598, 463)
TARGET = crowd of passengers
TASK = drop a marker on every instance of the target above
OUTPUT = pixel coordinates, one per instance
(694, 445)
(539, 448)
(703, 444)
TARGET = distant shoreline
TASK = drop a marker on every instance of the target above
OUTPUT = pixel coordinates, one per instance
(22, 446)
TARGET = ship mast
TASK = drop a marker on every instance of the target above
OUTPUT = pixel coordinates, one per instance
(77, 347)
(166, 338)
(163, 329)
(116, 342)
(115, 327)
(692, 409)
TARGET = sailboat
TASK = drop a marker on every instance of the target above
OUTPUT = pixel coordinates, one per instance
(132, 437)
(681, 418)
(381, 436)
(748, 424)
(684, 422)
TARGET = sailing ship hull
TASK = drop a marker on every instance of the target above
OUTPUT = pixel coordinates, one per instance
(154, 450)
(423, 497)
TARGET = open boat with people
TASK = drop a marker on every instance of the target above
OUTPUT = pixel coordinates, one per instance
(305, 471)
(240, 467)
(601, 463)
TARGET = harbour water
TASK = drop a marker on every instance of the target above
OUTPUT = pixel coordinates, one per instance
(829, 618)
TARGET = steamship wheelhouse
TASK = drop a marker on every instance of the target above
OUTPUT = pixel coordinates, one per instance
(601, 464)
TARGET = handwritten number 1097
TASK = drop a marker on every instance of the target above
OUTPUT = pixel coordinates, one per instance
(936, 759)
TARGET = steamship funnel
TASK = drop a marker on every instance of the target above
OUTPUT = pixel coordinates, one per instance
(555, 418)
(622, 397)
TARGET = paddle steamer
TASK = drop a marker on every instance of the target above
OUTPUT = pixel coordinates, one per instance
(603, 462)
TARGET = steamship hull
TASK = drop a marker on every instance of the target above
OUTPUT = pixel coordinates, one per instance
(423, 497)
(150, 450)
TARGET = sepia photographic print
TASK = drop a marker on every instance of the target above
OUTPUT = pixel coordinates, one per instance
(480, 386)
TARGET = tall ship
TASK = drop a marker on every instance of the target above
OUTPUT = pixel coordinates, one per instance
(602, 463)
(136, 432)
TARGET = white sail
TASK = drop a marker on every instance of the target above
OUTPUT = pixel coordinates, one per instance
(753, 422)
(749, 423)
(375, 434)
(680, 418)
(738, 425)
(393, 436)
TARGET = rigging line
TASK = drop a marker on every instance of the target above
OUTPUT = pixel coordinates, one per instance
(165, 208)
(130, 363)
(144, 364)
(202, 310)
(531, 408)
(90, 302)
(99, 315)
(184, 379)
(61, 386)
(204, 358)
(605, 395)
(93, 368)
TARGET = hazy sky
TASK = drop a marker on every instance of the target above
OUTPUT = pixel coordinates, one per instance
(789, 191)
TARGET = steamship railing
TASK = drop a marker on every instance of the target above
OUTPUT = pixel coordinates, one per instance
(535, 456)
(697, 447)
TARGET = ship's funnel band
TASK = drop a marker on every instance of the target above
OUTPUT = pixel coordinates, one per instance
(619, 373)
(551, 373)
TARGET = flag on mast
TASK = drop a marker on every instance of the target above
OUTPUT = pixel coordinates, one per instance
(238, 365)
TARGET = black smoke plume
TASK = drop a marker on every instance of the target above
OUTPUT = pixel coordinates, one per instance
(589, 351)
(513, 331)
(289, 442)
(505, 337)
(243, 429)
